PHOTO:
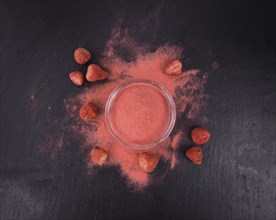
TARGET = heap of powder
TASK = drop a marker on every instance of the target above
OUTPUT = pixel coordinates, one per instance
(187, 90)
(140, 114)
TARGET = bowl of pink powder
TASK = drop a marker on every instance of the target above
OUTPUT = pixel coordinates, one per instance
(140, 113)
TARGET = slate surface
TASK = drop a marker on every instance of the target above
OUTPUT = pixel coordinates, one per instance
(237, 178)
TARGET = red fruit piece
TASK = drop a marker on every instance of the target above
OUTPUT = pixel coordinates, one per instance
(95, 73)
(195, 154)
(77, 78)
(88, 111)
(174, 68)
(148, 161)
(200, 135)
(82, 55)
(98, 156)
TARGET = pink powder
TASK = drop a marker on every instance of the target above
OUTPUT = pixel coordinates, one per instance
(176, 140)
(33, 97)
(187, 90)
(173, 161)
(215, 65)
(140, 114)
(175, 143)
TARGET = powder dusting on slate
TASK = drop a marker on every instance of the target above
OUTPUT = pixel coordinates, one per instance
(187, 90)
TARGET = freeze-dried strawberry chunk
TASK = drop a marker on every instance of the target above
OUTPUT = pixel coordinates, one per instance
(77, 78)
(82, 55)
(88, 111)
(195, 154)
(95, 73)
(200, 135)
(98, 156)
(174, 68)
(148, 161)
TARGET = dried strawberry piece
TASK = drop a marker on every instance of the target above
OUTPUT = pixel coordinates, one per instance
(77, 78)
(195, 154)
(174, 68)
(148, 161)
(98, 156)
(88, 111)
(200, 135)
(82, 55)
(95, 73)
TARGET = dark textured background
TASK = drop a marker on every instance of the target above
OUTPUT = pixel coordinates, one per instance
(237, 178)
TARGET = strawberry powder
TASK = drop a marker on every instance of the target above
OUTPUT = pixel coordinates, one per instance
(140, 114)
(187, 90)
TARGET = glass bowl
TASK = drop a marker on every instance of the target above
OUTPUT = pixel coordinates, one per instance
(171, 109)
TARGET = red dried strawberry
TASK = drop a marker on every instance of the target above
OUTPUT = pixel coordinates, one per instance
(98, 156)
(88, 111)
(195, 154)
(200, 135)
(174, 68)
(82, 55)
(95, 73)
(77, 78)
(148, 161)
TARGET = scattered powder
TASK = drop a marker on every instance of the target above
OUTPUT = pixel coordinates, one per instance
(32, 97)
(187, 90)
(215, 65)
(173, 160)
(51, 145)
(176, 140)
(175, 143)
(205, 120)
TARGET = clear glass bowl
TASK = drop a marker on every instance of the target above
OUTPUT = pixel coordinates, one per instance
(171, 108)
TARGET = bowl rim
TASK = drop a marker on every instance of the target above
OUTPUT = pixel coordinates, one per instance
(171, 105)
